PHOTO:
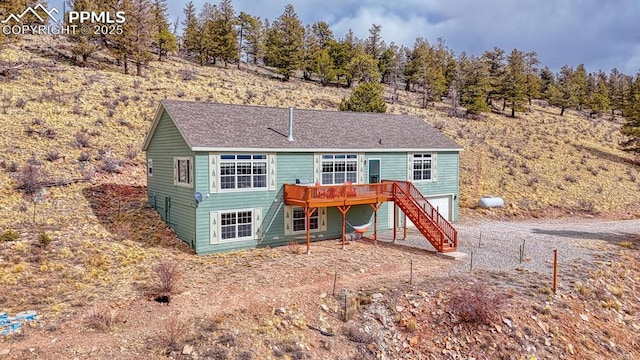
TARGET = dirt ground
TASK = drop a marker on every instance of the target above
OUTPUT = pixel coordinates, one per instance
(400, 303)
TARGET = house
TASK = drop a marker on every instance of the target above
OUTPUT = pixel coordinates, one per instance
(227, 177)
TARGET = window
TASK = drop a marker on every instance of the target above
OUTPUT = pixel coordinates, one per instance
(299, 220)
(243, 171)
(183, 171)
(150, 167)
(236, 225)
(422, 165)
(294, 220)
(339, 169)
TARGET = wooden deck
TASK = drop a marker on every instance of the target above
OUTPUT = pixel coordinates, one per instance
(315, 196)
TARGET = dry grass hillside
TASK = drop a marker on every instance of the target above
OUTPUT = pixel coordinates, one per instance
(538, 160)
(86, 256)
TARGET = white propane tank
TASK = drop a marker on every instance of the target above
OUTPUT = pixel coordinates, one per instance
(490, 202)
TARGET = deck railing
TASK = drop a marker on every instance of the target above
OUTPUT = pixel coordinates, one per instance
(336, 193)
(421, 201)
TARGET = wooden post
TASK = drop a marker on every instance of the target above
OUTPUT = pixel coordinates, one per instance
(555, 270)
(395, 221)
(307, 214)
(343, 210)
(375, 207)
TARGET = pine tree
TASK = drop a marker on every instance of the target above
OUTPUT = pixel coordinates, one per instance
(515, 82)
(566, 96)
(598, 99)
(249, 37)
(363, 68)
(137, 35)
(631, 128)
(318, 38)
(284, 44)
(531, 72)
(163, 39)
(84, 44)
(225, 38)
(472, 82)
(619, 86)
(190, 35)
(365, 97)
(580, 84)
(495, 60)
(426, 67)
(342, 52)
(547, 78)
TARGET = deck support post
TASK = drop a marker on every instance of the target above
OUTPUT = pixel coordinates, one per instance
(395, 221)
(308, 212)
(343, 210)
(375, 207)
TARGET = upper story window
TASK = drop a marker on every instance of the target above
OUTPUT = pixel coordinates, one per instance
(183, 171)
(422, 167)
(243, 171)
(339, 169)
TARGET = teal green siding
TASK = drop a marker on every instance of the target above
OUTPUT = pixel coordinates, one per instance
(447, 180)
(175, 204)
(191, 221)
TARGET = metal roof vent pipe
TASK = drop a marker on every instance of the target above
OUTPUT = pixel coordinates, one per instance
(290, 137)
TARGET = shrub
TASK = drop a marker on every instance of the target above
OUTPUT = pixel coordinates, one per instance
(103, 318)
(45, 240)
(48, 133)
(294, 247)
(132, 152)
(13, 167)
(30, 179)
(476, 304)
(626, 244)
(111, 165)
(53, 155)
(188, 74)
(168, 276)
(81, 140)
(84, 156)
(174, 329)
(9, 235)
(570, 178)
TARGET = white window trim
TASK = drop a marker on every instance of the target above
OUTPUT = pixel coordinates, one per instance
(215, 176)
(150, 167)
(317, 164)
(288, 221)
(216, 226)
(434, 167)
(176, 171)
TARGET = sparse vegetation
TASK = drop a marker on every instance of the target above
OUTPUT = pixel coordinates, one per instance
(476, 304)
(44, 240)
(9, 235)
(168, 275)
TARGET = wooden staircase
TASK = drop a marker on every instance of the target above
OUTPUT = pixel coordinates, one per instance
(435, 228)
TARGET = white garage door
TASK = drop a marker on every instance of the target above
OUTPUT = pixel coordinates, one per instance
(441, 203)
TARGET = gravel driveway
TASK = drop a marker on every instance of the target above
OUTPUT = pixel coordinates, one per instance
(494, 246)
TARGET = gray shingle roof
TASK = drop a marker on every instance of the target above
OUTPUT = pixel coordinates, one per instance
(209, 126)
